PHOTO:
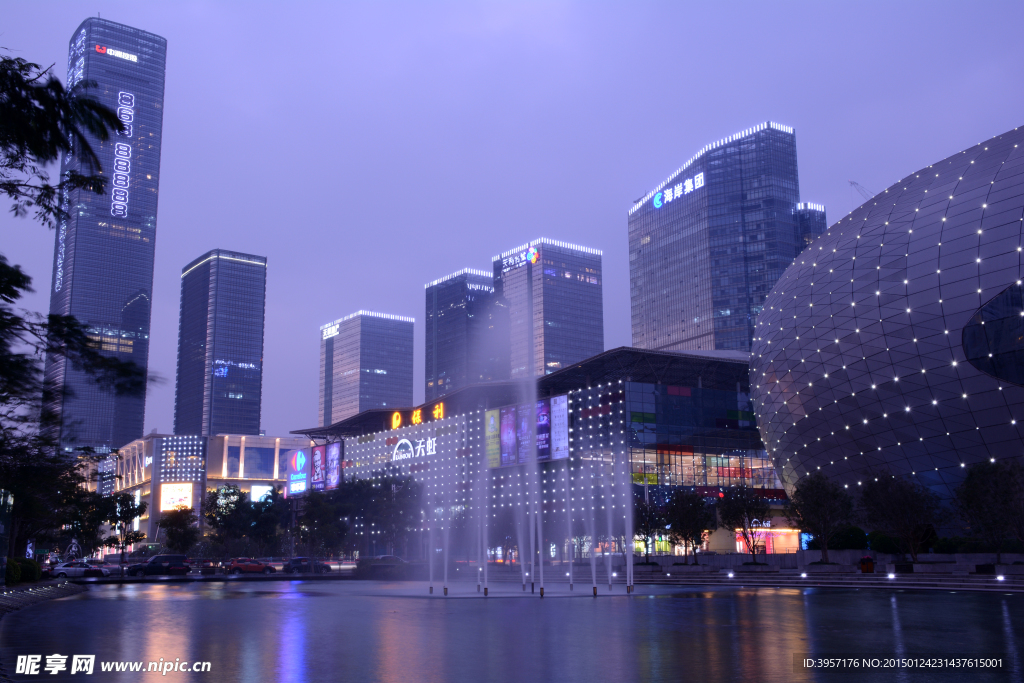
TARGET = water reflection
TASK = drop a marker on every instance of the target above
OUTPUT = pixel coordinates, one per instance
(303, 632)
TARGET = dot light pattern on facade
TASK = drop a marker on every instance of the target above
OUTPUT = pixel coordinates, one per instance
(858, 362)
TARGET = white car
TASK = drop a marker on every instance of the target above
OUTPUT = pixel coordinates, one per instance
(77, 568)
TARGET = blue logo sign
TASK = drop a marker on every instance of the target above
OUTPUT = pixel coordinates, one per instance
(657, 201)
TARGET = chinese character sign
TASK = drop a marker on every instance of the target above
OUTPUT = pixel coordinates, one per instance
(677, 191)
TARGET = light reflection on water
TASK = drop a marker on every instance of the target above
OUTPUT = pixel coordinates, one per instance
(301, 632)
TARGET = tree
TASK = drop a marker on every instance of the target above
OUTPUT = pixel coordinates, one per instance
(991, 501)
(690, 519)
(902, 509)
(122, 515)
(321, 527)
(180, 527)
(40, 121)
(821, 507)
(229, 514)
(269, 515)
(741, 508)
(648, 522)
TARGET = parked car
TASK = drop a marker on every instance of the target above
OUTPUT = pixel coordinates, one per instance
(304, 565)
(161, 564)
(246, 565)
(388, 559)
(78, 568)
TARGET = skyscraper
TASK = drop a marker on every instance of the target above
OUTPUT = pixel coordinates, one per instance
(103, 252)
(219, 385)
(707, 245)
(365, 362)
(462, 333)
(552, 291)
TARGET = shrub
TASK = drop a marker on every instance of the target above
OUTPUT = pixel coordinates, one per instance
(13, 575)
(847, 538)
(30, 569)
(881, 543)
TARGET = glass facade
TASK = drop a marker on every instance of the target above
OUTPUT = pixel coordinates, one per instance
(462, 332)
(551, 293)
(894, 342)
(103, 252)
(365, 362)
(219, 385)
(708, 244)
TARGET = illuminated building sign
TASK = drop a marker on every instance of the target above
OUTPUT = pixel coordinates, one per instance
(671, 193)
(417, 416)
(330, 330)
(298, 471)
(521, 259)
(259, 491)
(122, 157)
(405, 449)
(116, 53)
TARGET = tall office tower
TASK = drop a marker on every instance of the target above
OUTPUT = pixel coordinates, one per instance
(103, 252)
(365, 362)
(462, 333)
(810, 220)
(219, 385)
(552, 291)
(707, 245)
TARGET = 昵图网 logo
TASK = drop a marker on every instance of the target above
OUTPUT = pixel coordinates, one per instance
(672, 193)
(116, 53)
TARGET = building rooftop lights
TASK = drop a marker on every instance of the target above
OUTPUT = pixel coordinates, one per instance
(464, 271)
(708, 148)
(370, 314)
(813, 207)
(551, 242)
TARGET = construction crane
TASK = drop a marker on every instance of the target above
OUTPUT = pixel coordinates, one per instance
(864, 192)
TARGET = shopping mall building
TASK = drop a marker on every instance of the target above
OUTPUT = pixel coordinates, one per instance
(581, 441)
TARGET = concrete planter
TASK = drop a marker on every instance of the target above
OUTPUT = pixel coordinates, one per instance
(756, 568)
(830, 569)
(646, 569)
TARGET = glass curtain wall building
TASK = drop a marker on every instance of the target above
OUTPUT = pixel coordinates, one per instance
(365, 362)
(219, 387)
(104, 248)
(461, 331)
(551, 293)
(708, 244)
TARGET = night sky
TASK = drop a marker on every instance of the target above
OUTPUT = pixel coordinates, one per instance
(367, 149)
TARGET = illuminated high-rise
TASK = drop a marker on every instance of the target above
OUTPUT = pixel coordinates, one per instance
(463, 333)
(552, 296)
(708, 244)
(219, 387)
(103, 252)
(365, 363)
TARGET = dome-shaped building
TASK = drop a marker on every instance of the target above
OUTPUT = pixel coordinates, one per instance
(895, 341)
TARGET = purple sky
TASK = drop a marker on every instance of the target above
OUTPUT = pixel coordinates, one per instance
(367, 149)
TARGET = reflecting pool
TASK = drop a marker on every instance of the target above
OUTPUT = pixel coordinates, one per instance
(298, 631)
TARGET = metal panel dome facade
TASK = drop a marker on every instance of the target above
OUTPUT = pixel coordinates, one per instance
(895, 341)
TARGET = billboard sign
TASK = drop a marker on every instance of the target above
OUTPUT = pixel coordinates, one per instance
(539, 430)
(258, 491)
(333, 466)
(492, 437)
(318, 468)
(173, 496)
(299, 464)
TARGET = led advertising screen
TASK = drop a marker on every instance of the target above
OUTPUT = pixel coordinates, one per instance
(298, 471)
(524, 431)
(258, 491)
(318, 468)
(540, 431)
(509, 454)
(492, 437)
(333, 465)
(559, 427)
(173, 496)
